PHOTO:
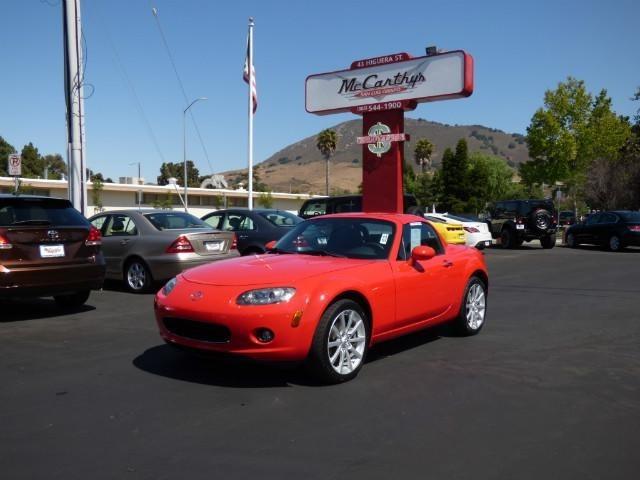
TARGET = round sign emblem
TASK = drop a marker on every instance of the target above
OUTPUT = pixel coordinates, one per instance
(379, 148)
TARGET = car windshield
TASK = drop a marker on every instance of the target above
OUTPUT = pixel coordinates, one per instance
(631, 217)
(175, 221)
(39, 212)
(435, 219)
(361, 238)
(457, 218)
(280, 218)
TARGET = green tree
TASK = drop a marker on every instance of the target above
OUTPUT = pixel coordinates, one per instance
(327, 142)
(265, 200)
(55, 165)
(5, 150)
(455, 170)
(422, 154)
(489, 179)
(176, 170)
(96, 192)
(32, 164)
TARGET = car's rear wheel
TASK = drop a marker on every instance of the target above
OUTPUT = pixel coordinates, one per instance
(614, 244)
(73, 300)
(474, 308)
(506, 238)
(137, 277)
(340, 342)
(548, 241)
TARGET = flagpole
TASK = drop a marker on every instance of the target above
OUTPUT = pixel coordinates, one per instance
(250, 68)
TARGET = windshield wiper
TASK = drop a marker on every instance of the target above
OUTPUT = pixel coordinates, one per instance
(324, 253)
(32, 222)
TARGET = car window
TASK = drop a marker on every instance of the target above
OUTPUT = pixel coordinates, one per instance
(237, 221)
(281, 218)
(315, 207)
(175, 221)
(98, 222)
(120, 225)
(608, 218)
(345, 205)
(592, 219)
(435, 219)
(215, 220)
(359, 238)
(39, 211)
(415, 234)
(631, 217)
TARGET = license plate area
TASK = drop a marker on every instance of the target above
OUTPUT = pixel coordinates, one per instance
(213, 246)
(520, 227)
(51, 251)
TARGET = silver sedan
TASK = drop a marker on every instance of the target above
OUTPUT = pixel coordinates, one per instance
(145, 246)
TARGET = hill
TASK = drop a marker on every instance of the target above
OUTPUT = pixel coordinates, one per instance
(300, 167)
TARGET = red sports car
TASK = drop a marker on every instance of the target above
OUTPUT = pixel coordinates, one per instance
(327, 291)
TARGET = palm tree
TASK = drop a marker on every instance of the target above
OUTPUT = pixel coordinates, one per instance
(326, 143)
(422, 153)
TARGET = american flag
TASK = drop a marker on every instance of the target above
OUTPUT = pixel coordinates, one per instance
(245, 76)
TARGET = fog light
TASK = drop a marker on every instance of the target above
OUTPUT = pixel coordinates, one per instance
(264, 335)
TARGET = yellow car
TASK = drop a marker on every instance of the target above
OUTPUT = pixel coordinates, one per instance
(453, 233)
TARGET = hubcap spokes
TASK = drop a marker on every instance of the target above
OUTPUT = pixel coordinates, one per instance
(614, 243)
(346, 342)
(136, 276)
(476, 306)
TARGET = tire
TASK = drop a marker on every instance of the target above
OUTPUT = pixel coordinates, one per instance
(507, 239)
(548, 241)
(473, 311)
(415, 210)
(73, 300)
(614, 243)
(571, 241)
(340, 343)
(540, 220)
(137, 277)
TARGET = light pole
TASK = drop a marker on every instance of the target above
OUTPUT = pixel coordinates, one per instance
(139, 192)
(184, 145)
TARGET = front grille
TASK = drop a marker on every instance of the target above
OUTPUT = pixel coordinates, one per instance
(204, 332)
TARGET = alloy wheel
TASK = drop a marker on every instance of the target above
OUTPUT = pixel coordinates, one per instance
(346, 341)
(476, 306)
(136, 276)
(614, 243)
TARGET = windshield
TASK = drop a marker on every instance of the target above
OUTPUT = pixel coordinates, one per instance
(175, 221)
(630, 217)
(39, 212)
(342, 237)
(457, 218)
(281, 218)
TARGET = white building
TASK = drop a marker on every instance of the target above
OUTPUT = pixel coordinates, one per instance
(117, 195)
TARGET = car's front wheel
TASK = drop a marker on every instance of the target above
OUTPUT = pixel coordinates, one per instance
(340, 342)
(615, 244)
(73, 300)
(571, 241)
(474, 308)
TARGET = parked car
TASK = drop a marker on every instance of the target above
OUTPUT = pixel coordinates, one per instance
(518, 221)
(47, 248)
(327, 291)
(144, 246)
(347, 203)
(566, 218)
(612, 230)
(476, 232)
(253, 228)
(451, 231)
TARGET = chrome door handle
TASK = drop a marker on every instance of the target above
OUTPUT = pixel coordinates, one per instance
(124, 242)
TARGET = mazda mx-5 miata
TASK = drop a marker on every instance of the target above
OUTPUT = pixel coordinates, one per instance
(326, 292)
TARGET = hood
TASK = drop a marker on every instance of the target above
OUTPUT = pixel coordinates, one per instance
(270, 269)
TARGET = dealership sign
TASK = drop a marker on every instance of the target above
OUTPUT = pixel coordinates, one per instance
(391, 82)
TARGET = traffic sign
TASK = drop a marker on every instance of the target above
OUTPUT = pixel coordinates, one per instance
(15, 165)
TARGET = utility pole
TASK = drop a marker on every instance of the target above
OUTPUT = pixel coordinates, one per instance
(74, 78)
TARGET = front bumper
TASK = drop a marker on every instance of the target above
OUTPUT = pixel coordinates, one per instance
(218, 324)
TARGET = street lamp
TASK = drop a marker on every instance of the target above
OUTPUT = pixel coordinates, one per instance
(184, 144)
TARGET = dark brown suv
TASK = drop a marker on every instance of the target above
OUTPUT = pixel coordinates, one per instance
(47, 248)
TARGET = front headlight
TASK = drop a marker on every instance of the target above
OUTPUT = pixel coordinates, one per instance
(169, 286)
(266, 296)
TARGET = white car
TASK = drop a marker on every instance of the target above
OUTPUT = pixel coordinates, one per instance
(477, 234)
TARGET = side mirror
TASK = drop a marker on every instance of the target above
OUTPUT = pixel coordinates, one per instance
(422, 253)
(270, 245)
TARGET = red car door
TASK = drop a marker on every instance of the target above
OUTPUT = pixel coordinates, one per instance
(424, 290)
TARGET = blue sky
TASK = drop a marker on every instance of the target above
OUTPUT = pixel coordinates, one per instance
(520, 50)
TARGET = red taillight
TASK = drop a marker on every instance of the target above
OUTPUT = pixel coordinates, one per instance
(234, 243)
(180, 245)
(4, 243)
(633, 228)
(471, 229)
(94, 238)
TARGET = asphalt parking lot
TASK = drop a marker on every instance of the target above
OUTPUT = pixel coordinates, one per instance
(549, 389)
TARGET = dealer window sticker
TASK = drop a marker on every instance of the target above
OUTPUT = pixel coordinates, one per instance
(416, 234)
(384, 238)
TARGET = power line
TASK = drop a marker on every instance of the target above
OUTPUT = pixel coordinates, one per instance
(154, 11)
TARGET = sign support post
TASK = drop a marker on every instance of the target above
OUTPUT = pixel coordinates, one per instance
(381, 89)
